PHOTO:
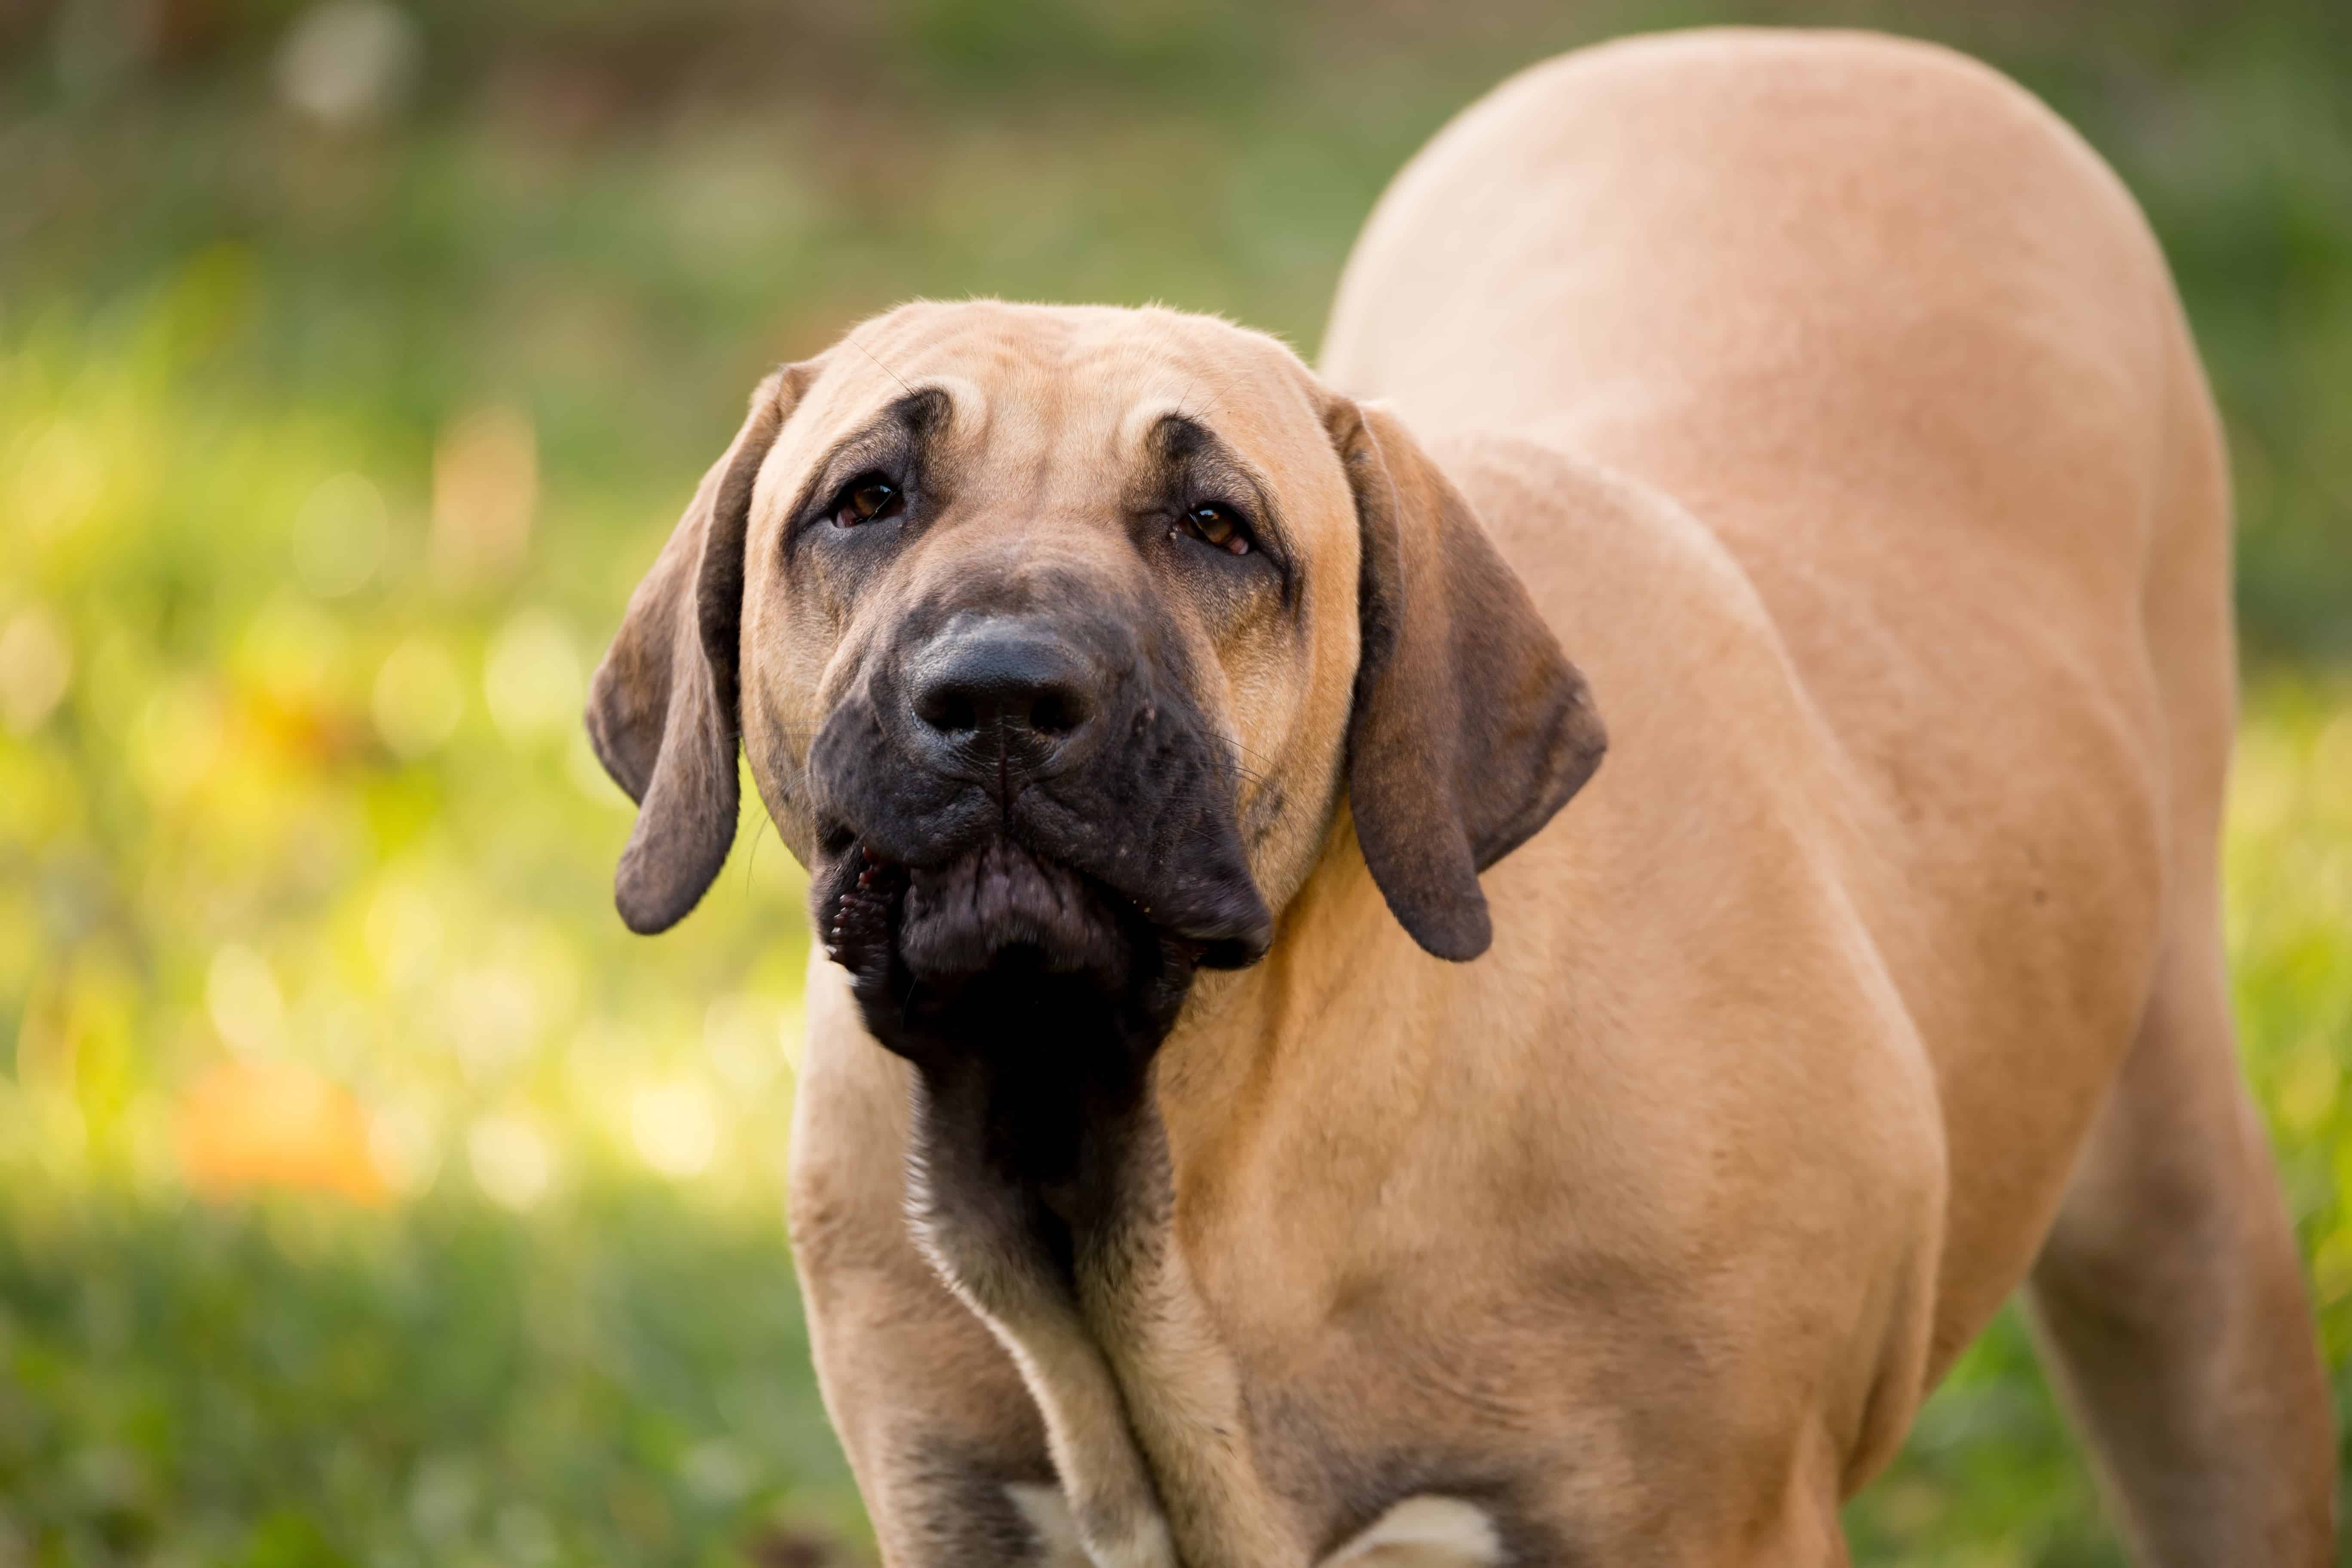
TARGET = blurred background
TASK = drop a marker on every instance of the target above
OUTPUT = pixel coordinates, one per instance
(367, 1195)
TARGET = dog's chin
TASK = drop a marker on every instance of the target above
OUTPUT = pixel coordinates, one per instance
(1001, 909)
(993, 914)
(993, 945)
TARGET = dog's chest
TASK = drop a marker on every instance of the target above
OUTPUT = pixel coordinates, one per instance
(1158, 1431)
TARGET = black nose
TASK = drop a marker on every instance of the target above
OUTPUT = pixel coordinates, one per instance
(1010, 691)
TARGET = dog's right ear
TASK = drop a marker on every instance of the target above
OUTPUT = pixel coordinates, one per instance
(662, 709)
(1471, 728)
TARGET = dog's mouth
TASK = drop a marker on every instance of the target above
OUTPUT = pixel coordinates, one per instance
(997, 946)
(999, 904)
(998, 908)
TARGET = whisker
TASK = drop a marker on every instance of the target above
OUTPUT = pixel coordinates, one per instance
(884, 369)
(1234, 763)
(752, 860)
(1246, 750)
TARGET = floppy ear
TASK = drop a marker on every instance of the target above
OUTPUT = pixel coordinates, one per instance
(662, 708)
(1470, 728)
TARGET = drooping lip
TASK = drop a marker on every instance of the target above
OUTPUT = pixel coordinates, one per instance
(1001, 901)
(960, 916)
(1008, 896)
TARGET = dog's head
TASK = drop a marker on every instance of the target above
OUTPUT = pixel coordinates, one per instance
(1056, 636)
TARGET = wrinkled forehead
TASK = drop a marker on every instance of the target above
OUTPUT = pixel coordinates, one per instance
(1088, 383)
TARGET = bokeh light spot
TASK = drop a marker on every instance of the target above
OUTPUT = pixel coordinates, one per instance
(242, 997)
(405, 1138)
(178, 739)
(348, 62)
(740, 1033)
(675, 1127)
(485, 489)
(339, 534)
(402, 931)
(418, 698)
(532, 678)
(60, 478)
(494, 1014)
(36, 667)
(512, 1160)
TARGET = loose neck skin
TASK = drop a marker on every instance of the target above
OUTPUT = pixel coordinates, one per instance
(1337, 948)
(1226, 1071)
(1081, 1271)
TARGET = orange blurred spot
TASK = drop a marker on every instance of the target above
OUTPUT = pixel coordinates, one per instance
(485, 489)
(247, 1125)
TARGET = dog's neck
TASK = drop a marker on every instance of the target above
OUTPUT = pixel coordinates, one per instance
(1336, 943)
(1039, 1184)
(1043, 1186)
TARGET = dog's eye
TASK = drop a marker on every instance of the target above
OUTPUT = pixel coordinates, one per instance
(867, 498)
(1214, 524)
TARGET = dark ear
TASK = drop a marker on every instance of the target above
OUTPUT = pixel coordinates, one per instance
(662, 708)
(1471, 728)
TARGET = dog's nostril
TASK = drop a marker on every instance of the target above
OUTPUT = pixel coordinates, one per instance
(949, 706)
(954, 711)
(1002, 687)
(1051, 714)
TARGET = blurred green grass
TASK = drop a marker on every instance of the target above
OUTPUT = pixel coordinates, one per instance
(331, 441)
(283, 1385)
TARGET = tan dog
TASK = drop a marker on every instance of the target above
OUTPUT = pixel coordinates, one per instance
(1145, 708)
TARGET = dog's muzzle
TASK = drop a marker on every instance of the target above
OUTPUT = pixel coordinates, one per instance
(1024, 791)
(1004, 702)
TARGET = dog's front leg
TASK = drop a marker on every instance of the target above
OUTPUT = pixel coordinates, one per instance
(1005, 1252)
(947, 1447)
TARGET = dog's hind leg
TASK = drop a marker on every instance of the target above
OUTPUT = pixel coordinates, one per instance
(2169, 1300)
(2168, 1296)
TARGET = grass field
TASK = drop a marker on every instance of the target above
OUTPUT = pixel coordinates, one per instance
(367, 1195)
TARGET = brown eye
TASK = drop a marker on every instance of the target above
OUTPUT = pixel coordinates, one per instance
(1213, 524)
(866, 500)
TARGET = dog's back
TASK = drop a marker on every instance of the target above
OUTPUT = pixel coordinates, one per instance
(1886, 328)
(1906, 346)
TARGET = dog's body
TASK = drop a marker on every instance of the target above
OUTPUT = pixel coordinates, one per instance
(1834, 405)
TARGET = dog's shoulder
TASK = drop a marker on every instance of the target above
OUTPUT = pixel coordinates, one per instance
(1659, 615)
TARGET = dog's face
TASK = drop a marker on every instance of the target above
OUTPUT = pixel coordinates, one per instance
(1031, 623)
(1054, 639)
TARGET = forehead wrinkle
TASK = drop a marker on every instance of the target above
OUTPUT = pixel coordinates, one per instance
(1074, 386)
(1018, 470)
(983, 334)
(899, 417)
(1143, 420)
(1165, 383)
(1148, 419)
(893, 420)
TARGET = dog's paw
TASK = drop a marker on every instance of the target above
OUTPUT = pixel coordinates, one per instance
(1426, 1531)
(1059, 1545)
(1047, 1516)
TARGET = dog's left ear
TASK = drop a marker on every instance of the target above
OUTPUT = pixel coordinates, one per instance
(662, 709)
(1471, 728)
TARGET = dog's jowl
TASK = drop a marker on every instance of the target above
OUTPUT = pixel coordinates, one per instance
(1277, 1093)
